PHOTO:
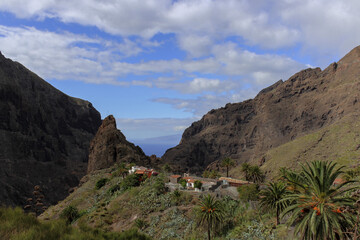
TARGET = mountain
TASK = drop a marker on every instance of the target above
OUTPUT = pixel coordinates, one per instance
(307, 102)
(44, 137)
(110, 146)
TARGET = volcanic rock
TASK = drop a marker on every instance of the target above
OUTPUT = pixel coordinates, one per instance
(110, 146)
(44, 136)
(306, 102)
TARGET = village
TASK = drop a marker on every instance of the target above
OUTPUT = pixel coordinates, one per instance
(221, 186)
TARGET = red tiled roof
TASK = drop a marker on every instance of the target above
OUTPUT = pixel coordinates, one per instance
(175, 176)
(232, 180)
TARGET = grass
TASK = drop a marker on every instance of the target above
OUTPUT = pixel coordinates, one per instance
(338, 142)
(16, 225)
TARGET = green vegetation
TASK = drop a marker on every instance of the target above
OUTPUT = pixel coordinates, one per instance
(273, 197)
(210, 214)
(318, 207)
(99, 184)
(16, 225)
(182, 182)
(253, 173)
(249, 192)
(126, 203)
(70, 214)
(227, 162)
(344, 136)
(197, 184)
(211, 174)
(122, 170)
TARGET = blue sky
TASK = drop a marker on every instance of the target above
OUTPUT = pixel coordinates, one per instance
(159, 65)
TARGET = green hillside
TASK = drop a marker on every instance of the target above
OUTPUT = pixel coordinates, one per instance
(339, 142)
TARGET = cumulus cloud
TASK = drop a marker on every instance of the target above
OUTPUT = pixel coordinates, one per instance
(214, 35)
(65, 55)
(325, 25)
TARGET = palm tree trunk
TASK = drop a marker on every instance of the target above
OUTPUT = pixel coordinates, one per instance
(227, 171)
(209, 233)
(277, 216)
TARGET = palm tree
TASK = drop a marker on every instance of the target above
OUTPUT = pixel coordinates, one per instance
(317, 209)
(272, 197)
(210, 213)
(294, 180)
(255, 174)
(227, 162)
(123, 170)
(245, 168)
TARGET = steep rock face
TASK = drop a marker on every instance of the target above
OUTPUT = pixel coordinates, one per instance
(44, 136)
(306, 102)
(110, 146)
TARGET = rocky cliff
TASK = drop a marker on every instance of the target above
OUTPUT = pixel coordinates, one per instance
(44, 136)
(306, 102)
(110, 146)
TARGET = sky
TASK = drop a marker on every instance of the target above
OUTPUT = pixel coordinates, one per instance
(159, 65)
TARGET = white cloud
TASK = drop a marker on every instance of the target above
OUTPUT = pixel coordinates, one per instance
(202, 104)
(196, 46)
(152, 127)
(146, 18)
(65, 55)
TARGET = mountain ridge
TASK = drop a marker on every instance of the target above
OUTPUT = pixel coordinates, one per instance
(307, 101)
(44, 136)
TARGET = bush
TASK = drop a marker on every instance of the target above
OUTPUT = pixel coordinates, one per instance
(16, 225)
(248, 192)
(159, 185)
(140, 224)
(132, 180)
(99, 184)
(70, 214)
(182, 182)
(197, 184)
(114, 189)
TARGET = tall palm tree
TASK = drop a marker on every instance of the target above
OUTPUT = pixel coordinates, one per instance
(227, 162)
(255, 174)
(317, 209)
(272, 197)
(245, 168)
(211, 214)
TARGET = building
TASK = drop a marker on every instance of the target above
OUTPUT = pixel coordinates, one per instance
(174, 178)
(233, 182)
(143, 171)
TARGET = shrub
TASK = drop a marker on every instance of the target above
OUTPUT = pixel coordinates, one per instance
(140, 224)
(132, 180)
(182, 182)
(114, 189)
(15, 224)
(197, 184)
(70, 214)
(248, 192)
(159, 185)
(100, 183)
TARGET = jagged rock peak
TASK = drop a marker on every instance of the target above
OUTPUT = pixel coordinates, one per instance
(109, 146)
(109, 123)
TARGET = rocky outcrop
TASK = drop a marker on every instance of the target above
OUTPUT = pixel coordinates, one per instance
(110, 146)
(44, 136)
(306, 102)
